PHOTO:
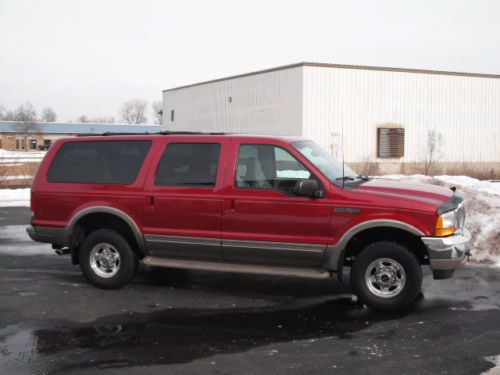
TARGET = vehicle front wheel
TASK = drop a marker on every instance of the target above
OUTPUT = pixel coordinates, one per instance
(107, 259)
(386, 276)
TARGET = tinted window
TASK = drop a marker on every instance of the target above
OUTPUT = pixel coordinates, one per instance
(269, 167)
(188, 164)
(104, 162)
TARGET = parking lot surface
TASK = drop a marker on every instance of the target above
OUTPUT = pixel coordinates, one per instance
(182, 322)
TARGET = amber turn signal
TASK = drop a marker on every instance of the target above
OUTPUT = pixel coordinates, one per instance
(444, 227)
(441, 232)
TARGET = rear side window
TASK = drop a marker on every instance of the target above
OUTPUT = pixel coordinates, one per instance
(188, 164)
(104, 162)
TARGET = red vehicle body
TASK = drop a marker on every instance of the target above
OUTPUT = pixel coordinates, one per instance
(255, 230)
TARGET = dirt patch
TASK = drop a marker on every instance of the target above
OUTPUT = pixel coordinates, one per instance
(15, 175)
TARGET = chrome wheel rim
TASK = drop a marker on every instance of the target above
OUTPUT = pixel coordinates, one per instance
(105, 260)
(385, 278)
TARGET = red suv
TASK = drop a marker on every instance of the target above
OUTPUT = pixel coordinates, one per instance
(241, 203)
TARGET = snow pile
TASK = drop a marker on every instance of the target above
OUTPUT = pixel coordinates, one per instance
(496, 361)
(482, 210)
(14, 197)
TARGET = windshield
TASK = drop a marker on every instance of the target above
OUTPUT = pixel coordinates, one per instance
(326, 163)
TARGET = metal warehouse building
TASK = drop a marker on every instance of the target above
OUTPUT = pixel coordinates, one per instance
(376, 115)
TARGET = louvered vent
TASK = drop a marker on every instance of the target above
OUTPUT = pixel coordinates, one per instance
(390, 142)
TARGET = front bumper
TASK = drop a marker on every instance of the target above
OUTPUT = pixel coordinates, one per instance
(448, 253)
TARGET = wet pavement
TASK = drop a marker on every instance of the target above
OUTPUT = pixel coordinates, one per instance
(183, 322)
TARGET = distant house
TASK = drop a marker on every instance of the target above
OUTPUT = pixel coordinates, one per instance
(43, 134)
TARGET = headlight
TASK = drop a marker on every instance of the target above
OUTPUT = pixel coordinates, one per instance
(446, 224)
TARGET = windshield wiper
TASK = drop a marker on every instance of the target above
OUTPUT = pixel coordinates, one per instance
(352, 178)
(345, 178)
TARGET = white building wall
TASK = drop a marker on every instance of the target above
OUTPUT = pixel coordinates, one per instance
(322, 103)
(267, 103)
(464, 109)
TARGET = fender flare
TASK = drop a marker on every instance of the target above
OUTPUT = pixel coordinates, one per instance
(107, 210)
(334, 257)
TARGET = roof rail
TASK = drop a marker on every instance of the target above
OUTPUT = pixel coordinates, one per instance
(166, 132)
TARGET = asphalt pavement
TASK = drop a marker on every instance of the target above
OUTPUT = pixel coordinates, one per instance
(184, 322)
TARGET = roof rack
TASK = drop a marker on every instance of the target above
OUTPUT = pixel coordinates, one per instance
(166, 132)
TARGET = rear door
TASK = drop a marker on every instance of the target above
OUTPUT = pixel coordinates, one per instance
(263, 221)
(182, 206)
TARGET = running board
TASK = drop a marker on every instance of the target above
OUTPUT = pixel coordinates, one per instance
(314, 273)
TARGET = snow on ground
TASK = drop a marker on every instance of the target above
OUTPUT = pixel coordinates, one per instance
(482, 212)
(496, 361)
(24, 177)
(15, 157)
(14, 197)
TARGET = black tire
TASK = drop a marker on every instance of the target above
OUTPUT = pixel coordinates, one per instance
(369, 293)
(128, 260)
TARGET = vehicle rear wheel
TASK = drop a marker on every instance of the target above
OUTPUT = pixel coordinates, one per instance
(107, 259)
(386, 276)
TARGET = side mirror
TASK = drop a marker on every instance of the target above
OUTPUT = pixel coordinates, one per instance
(308, 188)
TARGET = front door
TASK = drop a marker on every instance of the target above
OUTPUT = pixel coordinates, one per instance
(263, 221)
(182, 206)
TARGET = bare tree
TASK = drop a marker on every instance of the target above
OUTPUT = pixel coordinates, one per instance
(6, 115)
(334, 144)
(104, 120)
(369, 166)
(48, 115)
(156, 108)
(96, 120)
(433, 150)
(27, 130)
(25, 113)
(83, 119)
(134, 111)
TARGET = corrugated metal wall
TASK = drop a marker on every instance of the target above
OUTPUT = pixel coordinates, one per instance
(268, 103)
(322, 103)
(465, 110)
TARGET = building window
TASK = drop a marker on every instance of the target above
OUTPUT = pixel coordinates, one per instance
(172, 115)
(20, 144)
(390, 142)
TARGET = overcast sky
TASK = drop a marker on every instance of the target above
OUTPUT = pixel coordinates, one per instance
(89, 56)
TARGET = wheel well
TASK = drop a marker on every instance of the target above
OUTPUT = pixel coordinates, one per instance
(100, 220)
(362, 239)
